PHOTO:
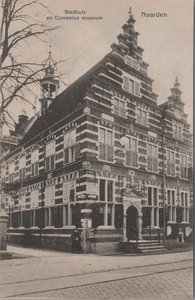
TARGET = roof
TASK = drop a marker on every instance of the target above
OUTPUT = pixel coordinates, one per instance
(63, 104)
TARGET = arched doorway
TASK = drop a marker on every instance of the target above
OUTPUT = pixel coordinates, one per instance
(132, 223)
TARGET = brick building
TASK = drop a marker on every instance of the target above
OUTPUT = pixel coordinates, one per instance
(104, 156)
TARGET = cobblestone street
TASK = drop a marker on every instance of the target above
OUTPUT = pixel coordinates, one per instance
(172, 285)
(49, 274)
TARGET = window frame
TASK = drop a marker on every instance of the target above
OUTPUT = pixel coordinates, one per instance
(106, 205)
(152, 159)
(170, 166)
(128, 151)
(105, 146)
(127, 79)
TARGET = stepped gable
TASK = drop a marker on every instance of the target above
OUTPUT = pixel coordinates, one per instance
(126, 48)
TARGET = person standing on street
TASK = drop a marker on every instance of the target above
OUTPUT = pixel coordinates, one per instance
(76, 241)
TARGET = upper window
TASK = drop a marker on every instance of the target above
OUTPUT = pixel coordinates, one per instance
(152, 196)
(69, 190)
(184, 166)
(34, 199)
(50, 162)
(152, 153)
(69, 146)
(50, 149)
(50, 156)
(142, 116)
(177, 131)
(170, 157)
(22, 174)
(119, 107)
(35, 169)
(105, 144)
(132, 62)
(131, 152)
(49, 195)
(171, 197)
(131, 86)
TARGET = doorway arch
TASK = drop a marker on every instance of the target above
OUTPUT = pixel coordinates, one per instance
(132, 227)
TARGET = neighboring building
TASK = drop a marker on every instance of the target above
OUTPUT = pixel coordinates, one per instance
(9, 142)
(104, 156)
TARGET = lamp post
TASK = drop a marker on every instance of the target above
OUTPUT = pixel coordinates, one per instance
(163, 187)
(42, 217)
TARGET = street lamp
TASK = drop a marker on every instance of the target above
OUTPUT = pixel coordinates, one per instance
(164, 184)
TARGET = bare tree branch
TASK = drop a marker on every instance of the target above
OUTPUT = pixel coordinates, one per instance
(19, 79)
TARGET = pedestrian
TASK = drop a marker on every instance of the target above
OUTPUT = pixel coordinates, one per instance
(76, 241)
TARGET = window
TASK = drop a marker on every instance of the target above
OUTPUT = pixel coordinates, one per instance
(152, 153)
(22, 168)
(132, 62)
(170, 157)
(35, 169)
(106, 196)
(152, 196)
(110, 191)
(69, 190)
(50, 195)
(34, 199)
(69, 146)
(3, 174)
(102, 185)
(184, 166)
(11, 170)
(185, 206)
(142, 117)
(151, 210)
(131, 152)
(34, 162)
(171, 205)
(11, 178)
(177, 131)
(69, 154)
(119, 107)
(106, 190)
(22, 174)
(131, 86)
(50, 156)
(50, 163)
(105, 144)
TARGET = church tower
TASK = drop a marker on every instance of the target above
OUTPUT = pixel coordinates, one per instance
(49, 84)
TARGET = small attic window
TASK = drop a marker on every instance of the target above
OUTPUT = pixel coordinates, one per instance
(132, 62)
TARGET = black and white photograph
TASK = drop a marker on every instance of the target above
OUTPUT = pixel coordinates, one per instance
(96, 149)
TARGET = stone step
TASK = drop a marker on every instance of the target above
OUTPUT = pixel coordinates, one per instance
(143, 246)
(154, 251)
(150, 248)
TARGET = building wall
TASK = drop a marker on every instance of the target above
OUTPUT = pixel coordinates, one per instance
(79, 169)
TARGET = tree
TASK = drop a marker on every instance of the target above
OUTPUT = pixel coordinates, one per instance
(18, 78)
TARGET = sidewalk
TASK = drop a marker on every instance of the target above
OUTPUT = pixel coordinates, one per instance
(37, 252)
(34, 252)
(61, 263)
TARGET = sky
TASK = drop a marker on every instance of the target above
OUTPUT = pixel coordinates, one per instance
(167, 41)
